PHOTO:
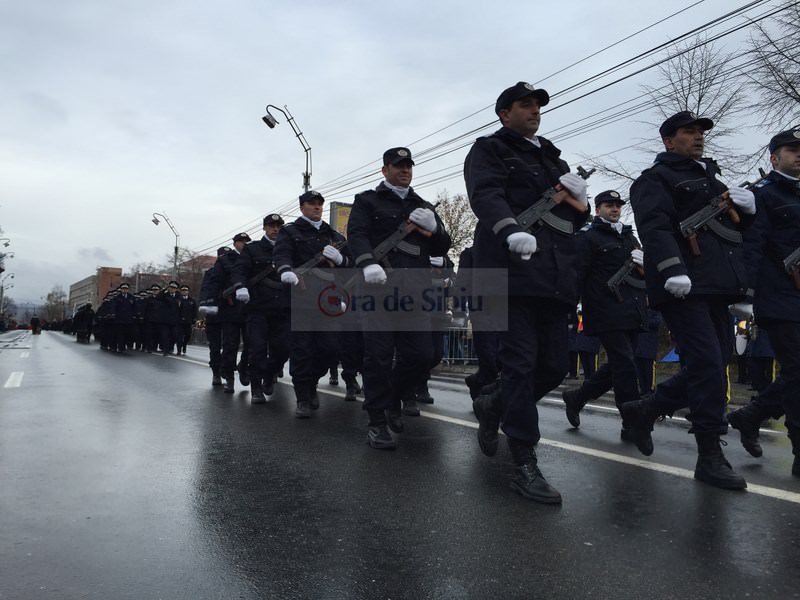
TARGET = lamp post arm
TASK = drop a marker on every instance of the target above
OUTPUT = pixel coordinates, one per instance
(301, 138)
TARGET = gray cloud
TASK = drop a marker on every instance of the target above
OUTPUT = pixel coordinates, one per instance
(94, 254)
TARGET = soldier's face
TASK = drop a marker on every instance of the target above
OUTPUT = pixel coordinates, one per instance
(271, 231)
(312, 210)
(786, 159)
(610, 211)
(399, 174)
(523, 116)
(687, 141)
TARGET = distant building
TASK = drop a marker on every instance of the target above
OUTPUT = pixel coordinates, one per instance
(92, 289)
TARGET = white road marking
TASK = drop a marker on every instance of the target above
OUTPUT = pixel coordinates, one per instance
(25, 355)
(753, 488)
(15, 379)
(761, 490)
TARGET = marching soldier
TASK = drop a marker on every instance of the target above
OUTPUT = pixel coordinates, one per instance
(188, 313)
(692, 239)
(313, 343)
(614, 305)
(772, 253)
(506, 173)
(124, 318)
(375, 216)
(267, 308)
(210, 297)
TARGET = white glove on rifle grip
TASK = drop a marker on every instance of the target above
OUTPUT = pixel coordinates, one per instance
(522, 243)
(243, 295)
(424, 218)
(437, 261)
(743, 199)
(637, 256)
(333, 255)
(290, 278)
(374, 274)
(678, 285)
(208, 310)
(576, 185)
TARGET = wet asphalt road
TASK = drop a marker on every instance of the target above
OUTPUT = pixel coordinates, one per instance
(129, 477)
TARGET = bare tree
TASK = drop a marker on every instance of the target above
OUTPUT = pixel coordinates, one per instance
(55, 306)
(458, 219)
(775, 74)
(698, 77)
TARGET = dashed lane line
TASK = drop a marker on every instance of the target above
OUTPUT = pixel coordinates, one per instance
(15, 379)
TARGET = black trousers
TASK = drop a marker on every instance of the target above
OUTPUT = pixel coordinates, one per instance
(214, 337)
(233, 333)
(703, 333)
(123, 336)
(533, 361)
(646, 374)
(386, 383)
(351, 353)
(268, 339)
(184, 335)
(311, 354)
(783, 395)
(619, 372)
(167, 336)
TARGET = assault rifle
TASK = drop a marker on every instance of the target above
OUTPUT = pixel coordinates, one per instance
(540, 212)
(382, 250)
(315, 261)
(252, 282)
(792, 265)
(707, 218)
(623, 275)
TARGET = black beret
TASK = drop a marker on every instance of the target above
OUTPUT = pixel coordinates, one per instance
(609, 196)
(394, 156)
(785, 138)
(518, 92)
(682, 119)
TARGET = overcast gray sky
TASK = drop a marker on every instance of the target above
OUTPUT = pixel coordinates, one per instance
(112, 110)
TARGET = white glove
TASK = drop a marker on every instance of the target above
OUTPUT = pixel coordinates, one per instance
(522, 243)
(290, 278)
(576, 185)
(423, 217)
(243, 295)
(638, 256)
(678, 285)
(437, 261)
(333, 255)
(374, 274)
(743, 310)
(208, 310)
(744, 199)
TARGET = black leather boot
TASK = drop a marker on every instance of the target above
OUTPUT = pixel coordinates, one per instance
(268, 385)
(410, 406)
(574, 401)
(394, 418)
(640, 416)
(423, 395)
(712, 468)
(302, 393)
(487, 411)
(528, 480)
(313, 397)
(228, 387)
(256, 391)
(244, 376)
(350, 391)
(795, 437)
(216, 380)
(473, 385)
(378, 435)
(747, 420)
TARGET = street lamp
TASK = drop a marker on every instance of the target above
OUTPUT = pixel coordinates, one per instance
(175, 254)
(272, 121)
(3, 289)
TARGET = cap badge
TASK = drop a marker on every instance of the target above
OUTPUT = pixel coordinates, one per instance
(402, 152)
(528, 86)
(614, 194)
(796, 133)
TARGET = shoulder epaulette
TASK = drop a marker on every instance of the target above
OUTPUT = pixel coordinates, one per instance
(763, 183)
